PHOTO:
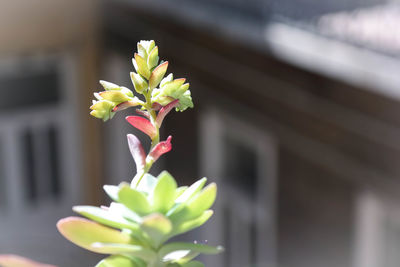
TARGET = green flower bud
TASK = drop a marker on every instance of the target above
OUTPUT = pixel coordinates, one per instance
(139, 83)
(140, 65)
(109, 86)
(102, 109)
(114, 96)
(145, 48)
(169, 78)
(157, 75)
(170, 90)
(126, 91)
(153, 58)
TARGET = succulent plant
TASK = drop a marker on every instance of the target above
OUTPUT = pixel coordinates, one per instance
(136, 228)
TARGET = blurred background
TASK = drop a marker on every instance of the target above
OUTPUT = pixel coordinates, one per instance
(297, 118)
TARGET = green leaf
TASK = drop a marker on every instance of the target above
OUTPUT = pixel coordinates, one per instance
(192, 190)
(133, 250)
(180, 256)
(157, 226)
(122, 210)
(157, 75)
(195, 206)
(84, 233)
(179, 246)
(203, 201)
(189, 193)
(147, 183)
(187, 226)
(134, 200)
(106, 217)
(116, 261)
(153, 58)
(179, 191)
(140, 65)
(163, 196)
(112, 191)
(139, 83)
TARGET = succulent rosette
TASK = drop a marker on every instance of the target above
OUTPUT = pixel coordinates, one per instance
(136, 228)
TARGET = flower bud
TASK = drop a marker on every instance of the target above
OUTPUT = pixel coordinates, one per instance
(157, 75)
(139, 83)
(140, 65)
(109, 86)
(153, 58)
(114, 96)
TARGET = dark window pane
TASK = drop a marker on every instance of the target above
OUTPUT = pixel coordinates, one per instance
(29, 175)
(54, 164)
(3, 196)
(241, 166)
(28, 90)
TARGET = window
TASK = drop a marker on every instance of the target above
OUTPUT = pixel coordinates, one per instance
(377, 231)
(242, 159)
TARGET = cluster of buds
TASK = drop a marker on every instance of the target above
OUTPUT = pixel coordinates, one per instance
(148, 76)
(148, 212)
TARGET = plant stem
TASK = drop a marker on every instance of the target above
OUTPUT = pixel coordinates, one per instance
(154, 141)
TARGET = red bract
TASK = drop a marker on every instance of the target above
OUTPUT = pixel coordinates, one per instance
(142, 124)
(137, 152)
(124, 105)
(143, 113)
(161, 148)
(165, 110)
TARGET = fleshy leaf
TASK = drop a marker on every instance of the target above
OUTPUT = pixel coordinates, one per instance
(185, 196)
(17, 261)
(160, 149)
(163, 195)
(157, 226)
(165, 110)
(180, 190)
(180, 256)
(137, 151)
(187, 226)
(83, 233)
(192, 190)
(134, 200)
(157, 75)
(199, 248)
(116, 261)
(106, 217)
(133, 250)
(195, 206)
(112, 191)
(143, 125)
(147, 183)
(122, 210)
